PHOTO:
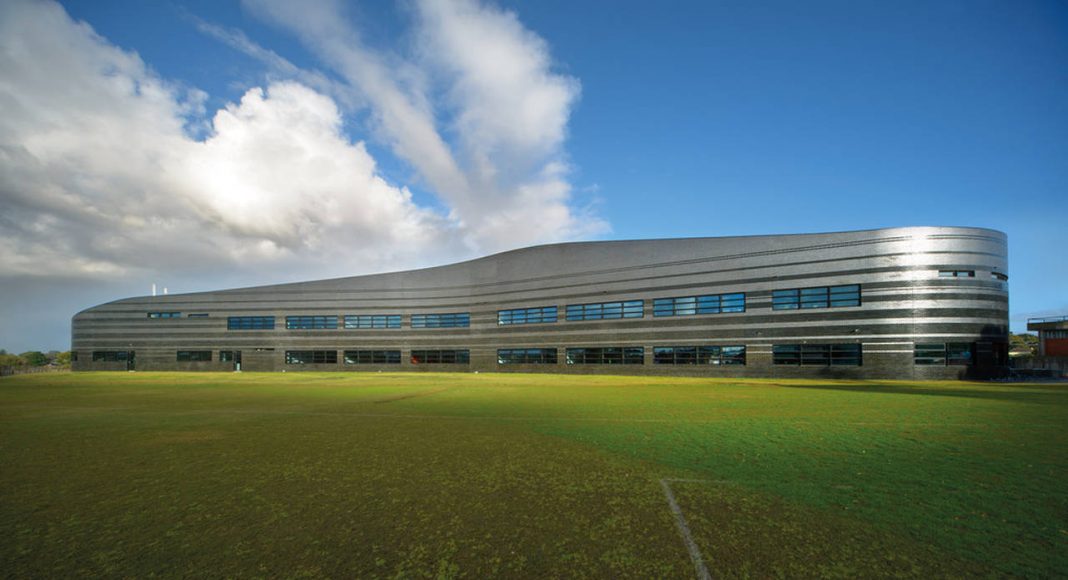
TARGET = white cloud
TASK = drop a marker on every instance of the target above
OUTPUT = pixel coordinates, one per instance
(493, 149)
(109, 172)
(509, 106)
(99, 174)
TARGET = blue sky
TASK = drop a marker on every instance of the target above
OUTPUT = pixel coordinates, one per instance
(157, 144)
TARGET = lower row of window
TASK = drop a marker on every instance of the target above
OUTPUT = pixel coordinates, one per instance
(849, 354)
(626, 355)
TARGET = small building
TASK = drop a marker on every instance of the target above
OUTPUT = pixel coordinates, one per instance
(1052, 342)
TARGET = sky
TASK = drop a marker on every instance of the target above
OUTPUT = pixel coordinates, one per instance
(210, 144)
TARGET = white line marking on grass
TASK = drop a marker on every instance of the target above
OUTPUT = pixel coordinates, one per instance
(684, 529)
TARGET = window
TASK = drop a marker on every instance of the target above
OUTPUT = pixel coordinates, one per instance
(956, 274)
(311, 322)
(372, 357)
(817, 354)
(846, 355)
(441, 357)
(712, 304)
(999, 276)
(193, 356)
(606, 310)
(111, 356)
(786, 354)
(304, 357)
(373, 321)
(450, 320)
(699, 355)
(226, 356)
(164, 314)
(197, 315)
(786, 299)
(73, 356)
(250, 323)
(820, 297)
(627, 355)
(525, 356)
(959, 353)
(845, 295)
(537, 315)
(942, 354)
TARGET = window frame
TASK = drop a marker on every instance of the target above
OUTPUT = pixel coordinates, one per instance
(527, 356)
(818, 355)
(250, 322)
(714, 355)
(440, 356)
(613, 310)
(311, 322)
(725, 303)
(818, 297)
(110, 356)
(605, 355)
(372, 356)
(956, 273)
(943, 354)
(371, 321)
(441, 320)
(533, 315)
(317, 356)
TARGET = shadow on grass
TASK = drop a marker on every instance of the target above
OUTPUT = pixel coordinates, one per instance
(1051, 394)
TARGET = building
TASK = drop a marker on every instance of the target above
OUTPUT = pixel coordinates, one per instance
(1052, 343)
(918, 302)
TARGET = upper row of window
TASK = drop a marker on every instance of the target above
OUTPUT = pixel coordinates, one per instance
(791, 299)
(796, 298)
(822, 297)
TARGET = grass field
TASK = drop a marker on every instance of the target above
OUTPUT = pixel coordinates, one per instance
(464, 475)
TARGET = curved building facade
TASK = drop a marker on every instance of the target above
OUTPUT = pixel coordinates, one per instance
(916, 302)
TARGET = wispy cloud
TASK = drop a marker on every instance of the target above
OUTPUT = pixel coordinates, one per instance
(277, 65)
(475, 108)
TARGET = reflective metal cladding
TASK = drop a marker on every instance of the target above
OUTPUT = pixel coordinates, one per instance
(916, 302)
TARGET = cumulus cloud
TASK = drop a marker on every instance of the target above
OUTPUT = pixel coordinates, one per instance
(109, 172)
(98, 172)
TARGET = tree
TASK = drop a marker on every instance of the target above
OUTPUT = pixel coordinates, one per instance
(1023, 342)
(63, 358)
(35, 358)
(11, 360)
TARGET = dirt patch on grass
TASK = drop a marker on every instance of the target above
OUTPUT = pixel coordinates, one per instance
(396, 398)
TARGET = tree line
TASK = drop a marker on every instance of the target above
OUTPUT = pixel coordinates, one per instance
(34, 358)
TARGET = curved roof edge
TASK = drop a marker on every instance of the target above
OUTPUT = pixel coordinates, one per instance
(559, 248)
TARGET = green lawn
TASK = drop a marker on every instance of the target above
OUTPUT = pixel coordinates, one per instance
(476, 475)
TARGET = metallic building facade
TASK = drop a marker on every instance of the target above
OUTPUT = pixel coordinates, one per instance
(916, 302)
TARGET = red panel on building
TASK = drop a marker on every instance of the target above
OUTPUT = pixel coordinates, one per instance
(1057, 347)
